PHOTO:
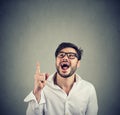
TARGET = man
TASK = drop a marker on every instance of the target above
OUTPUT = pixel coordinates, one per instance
(64, 92)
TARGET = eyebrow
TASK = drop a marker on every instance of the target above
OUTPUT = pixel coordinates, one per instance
(67, 52)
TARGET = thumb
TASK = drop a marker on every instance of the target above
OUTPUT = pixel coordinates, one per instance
(46, 76)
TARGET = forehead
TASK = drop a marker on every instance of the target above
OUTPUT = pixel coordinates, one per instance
(68, 50)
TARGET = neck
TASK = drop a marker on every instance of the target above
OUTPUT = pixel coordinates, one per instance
(65, 83)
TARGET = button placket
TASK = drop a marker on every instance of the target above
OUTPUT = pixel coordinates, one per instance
(66, 107)
(36, 109)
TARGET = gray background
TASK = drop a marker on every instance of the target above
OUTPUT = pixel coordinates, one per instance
(30, 31)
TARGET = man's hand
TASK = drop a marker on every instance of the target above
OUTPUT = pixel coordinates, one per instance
(39, 82)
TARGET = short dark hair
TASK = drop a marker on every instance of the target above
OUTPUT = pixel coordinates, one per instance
(71, 45)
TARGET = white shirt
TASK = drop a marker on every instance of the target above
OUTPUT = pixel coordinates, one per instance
(81, 100)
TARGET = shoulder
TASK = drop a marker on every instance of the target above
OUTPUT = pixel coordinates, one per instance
(85, 84)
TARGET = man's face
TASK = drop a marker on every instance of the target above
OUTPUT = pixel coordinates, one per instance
(67, 62)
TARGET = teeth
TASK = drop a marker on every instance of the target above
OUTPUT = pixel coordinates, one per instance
(64, 64)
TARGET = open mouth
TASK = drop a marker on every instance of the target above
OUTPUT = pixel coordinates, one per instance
(65, 66)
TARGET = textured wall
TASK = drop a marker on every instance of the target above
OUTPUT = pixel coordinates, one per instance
(31, 30)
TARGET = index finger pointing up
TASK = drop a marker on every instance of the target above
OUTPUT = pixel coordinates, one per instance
(38, 68)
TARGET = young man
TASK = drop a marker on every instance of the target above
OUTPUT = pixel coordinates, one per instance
(64, 92)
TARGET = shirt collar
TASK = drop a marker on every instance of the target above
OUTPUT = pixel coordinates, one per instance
(52, 77)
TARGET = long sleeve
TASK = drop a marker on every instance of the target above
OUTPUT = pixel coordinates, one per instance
(92, 108)
(82, 100)
(35, 108)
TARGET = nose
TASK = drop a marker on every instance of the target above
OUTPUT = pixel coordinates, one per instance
(65, 57)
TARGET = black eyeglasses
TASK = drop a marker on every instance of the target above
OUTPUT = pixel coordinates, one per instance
(70, 55)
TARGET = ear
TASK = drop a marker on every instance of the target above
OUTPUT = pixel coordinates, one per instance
(78, 64)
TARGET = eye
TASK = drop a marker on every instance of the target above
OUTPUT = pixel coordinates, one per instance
(71, 56)
(61, 55)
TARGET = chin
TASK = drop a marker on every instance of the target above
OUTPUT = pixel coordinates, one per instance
(65, 75)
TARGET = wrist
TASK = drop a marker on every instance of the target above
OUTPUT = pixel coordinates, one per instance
(37, 95)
